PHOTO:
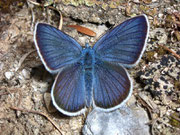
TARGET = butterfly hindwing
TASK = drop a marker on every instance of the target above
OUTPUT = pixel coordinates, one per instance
(68, 91)
(125, 43)
(55, 48)
(112, 86)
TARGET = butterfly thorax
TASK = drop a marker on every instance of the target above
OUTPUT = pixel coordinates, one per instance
(88, 58)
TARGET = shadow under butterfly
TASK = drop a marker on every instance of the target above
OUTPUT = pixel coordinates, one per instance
(92, 76)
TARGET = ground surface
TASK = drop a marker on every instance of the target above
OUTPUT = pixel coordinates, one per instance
(24, 83)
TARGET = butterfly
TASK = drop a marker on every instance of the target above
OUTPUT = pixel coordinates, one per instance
(92, 76)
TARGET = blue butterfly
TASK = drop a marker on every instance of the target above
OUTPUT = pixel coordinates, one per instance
(92, 76)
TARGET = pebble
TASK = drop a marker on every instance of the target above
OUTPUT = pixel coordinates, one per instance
(48, 103)
(1, 66)
(136, 1)
(178, 109)
(160, 15)
(40, 86)
(26, 74)
(123, 121)
(9, 75)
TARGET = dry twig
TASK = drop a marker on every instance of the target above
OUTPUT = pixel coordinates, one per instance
(153, 122)
(40, 113)
(23, 58)
(61, 17)
(169, 50)
(33, 2)
(174, 117)
(50, 7)
(9, 91)
(145, 105)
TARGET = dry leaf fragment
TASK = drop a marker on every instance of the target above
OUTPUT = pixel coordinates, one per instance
(128, 10)
(177, 34)
(147, 1)
(83, 30)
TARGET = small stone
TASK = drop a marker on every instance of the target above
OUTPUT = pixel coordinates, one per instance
(48, 103)
(178, 109)
(123, 121)
(75, 124)
(36, 131)
(83, 39)
(1, 65)
(160, 15)
(159, 34)
(26, 74)
(136, 1)
(40, 86)
(18, 113)
(9, 75)
(101, 29)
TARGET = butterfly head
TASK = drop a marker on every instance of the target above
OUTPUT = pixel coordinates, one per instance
(87, 45)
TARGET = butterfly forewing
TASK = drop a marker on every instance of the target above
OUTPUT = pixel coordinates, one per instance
(125, 43)
(68, 91)
(55, 48)
(112, 86)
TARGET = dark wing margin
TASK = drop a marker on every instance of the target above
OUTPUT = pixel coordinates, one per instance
(125, 43)
(112, 86)
(55, 48)
(68, 91)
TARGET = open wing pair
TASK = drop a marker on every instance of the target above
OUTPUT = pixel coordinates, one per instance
(121, 46)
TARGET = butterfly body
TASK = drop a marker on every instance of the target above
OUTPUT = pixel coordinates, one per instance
(92, 76)
(88, 64)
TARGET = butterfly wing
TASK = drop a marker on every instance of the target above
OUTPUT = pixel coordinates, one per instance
(55, 48)
(125, 43)
(112, 86)
(68, 91)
